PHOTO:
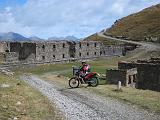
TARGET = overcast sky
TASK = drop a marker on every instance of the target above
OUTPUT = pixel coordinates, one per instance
(46, 18)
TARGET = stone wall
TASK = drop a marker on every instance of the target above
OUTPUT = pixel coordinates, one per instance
(72, 49)
(113, 76)
(59, 51)
(148, 76)
(87, 50)
(3, 46)
(11, 56)
(126, 65)
(2, 57)
(96, 49)
(112, 50)
(126, 76)
(66, 50)
(24, 50)
(52, 51)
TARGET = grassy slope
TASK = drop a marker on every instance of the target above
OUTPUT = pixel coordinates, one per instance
(95, 37)
(139, 25)
(144, 98)
(135, 26)
(33, 104)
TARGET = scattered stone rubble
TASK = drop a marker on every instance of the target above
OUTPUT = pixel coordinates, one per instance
(6, 71)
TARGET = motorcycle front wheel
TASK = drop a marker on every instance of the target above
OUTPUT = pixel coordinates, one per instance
(74, 83)
(94, 82)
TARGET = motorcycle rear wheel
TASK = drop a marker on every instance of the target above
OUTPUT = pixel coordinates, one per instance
(94, 82)
(74, 83)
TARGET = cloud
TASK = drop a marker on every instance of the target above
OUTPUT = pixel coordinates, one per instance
(119, 6)
(61, 18)
(8, 23)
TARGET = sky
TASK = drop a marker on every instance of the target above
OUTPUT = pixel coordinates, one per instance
(80, 18)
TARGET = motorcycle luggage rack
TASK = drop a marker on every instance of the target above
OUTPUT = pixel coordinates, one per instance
(75, 69)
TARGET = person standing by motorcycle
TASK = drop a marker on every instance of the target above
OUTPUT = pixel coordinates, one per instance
(85, 69)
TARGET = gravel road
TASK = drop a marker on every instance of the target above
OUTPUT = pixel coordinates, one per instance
(148, 46)
(77, 104)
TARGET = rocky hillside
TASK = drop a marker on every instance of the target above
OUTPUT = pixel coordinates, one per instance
(144, 25)
(141, 26)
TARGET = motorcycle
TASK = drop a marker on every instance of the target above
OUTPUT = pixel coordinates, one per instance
(91, 79)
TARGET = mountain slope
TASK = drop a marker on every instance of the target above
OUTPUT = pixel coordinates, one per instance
(96, 37)
(11, 36)
(139, 26)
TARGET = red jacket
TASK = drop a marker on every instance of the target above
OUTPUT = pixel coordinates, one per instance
(85, 69)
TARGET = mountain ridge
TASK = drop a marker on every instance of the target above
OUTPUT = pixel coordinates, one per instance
(11, 36)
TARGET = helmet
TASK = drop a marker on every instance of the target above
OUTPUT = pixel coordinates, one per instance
(83, 62)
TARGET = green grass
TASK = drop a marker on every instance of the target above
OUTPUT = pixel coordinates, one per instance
(99, 65)
(143, 98)
(46, 68)
(33, 105)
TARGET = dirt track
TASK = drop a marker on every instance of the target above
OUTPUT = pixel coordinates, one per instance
(144, 50)
(77, 104)
(147, 46)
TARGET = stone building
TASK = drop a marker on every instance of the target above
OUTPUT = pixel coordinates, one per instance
(148, 73)
(55, 51)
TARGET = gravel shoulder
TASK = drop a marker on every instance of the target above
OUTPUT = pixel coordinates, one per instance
(77, 104)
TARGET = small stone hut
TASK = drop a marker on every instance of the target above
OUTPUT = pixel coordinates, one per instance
(148, 72)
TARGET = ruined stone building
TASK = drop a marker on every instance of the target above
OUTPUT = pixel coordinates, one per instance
(148, 73)
(54, 51)
(144, 73)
